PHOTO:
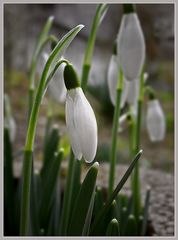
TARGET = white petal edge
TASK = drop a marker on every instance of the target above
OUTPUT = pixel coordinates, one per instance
(85, 122)
(71, 129)
(155, 121)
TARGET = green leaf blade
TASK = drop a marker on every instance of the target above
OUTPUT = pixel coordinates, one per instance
(83, 202)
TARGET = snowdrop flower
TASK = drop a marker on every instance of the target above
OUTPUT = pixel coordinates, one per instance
(112, 76)
(56, 87)
(80, 118)
(155, 121)
(131, 44)
(9, 120)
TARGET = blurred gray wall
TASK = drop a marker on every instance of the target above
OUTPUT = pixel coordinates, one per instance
(23, 22)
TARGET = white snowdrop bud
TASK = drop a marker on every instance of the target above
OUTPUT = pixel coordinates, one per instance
(80, 118)
(9, 119)
(112, 78)
(131, 45)
(155, 121)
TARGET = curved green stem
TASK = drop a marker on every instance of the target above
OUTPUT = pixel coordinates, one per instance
(29, 145)
(101, 10)
(135, 178)
(43, 39)
(113, 153)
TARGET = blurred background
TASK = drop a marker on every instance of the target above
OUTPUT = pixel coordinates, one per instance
(22, 25)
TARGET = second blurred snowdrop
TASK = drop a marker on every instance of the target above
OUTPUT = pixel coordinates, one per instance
(155, 121)
(131, 44)
(56, 88)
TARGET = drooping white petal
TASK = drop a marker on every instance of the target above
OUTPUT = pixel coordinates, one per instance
(155, 121)
(112, 78)
(86, 126)
(131, 46)
(71, 128)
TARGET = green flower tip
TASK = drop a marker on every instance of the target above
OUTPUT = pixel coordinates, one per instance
(151, 95)
(114, 48)
(61, 150)
(70, 77)
(96, 165)
(114, 221)
(51, 18)
(131, 217)
(140, 152)
(81, 26)
(128, 8)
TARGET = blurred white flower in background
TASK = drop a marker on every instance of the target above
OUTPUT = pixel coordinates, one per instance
(155, 121)
(9, 119)
(56, 87)
(131, 46)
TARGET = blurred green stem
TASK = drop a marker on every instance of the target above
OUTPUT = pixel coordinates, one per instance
(135, 177)
(100, 11)
(113, 153)
(42, 41)
(30, 136)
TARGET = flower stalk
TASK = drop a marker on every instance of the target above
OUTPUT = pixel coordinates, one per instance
(101, 10)
(42, 41)
(113, 153)
(29, 145)
(136, 144)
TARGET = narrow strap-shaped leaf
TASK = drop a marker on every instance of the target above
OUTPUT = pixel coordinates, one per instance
(116, 191)
(129, 210)
(66, 206)
(34, 203)
(131, 229)
(76, 181)
(86, 228)
(99, 201)
(83, 202)
(123, 220)
(113, 228)
(47, 131)
(53, 227)
(140, 224)
(49, 187)
(145, 214)
(107, 217)
(8, 179)
(50, 149)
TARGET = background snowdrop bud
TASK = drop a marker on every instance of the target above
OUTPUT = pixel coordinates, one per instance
(56, 88)
(131, 45)
(155, 121)
(80, 118)
(113, 74)
(9, 120)
(112, 78)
